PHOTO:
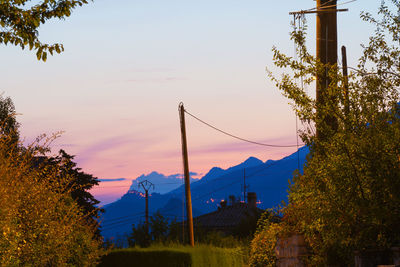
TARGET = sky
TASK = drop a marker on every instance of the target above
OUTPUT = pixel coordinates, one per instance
(127, 65)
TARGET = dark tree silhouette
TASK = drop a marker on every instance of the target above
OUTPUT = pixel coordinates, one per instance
(80, 184)
(8, 123)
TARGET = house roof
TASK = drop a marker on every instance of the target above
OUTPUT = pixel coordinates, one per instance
(227, 217)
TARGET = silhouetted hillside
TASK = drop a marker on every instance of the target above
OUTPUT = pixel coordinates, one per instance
(269, 180)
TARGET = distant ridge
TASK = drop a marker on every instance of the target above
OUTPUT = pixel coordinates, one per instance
(163, 184)
(269, 180)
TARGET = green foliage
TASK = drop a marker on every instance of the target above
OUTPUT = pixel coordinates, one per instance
(21, 19)
(204, 255)
(139, 236)
(349, 195)
(159, 228)
(174, 256)
(262, 252)
(9, 125)
(169, 234)
(204, 237)
(218, 239)
(262, 247)
(40, 224)
(79, 185)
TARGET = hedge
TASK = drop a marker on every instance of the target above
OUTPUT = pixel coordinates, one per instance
(174, 256)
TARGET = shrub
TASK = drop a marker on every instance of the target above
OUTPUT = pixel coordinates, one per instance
(262, 251)
(40, 224)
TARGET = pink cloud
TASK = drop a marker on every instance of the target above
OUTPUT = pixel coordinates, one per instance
(108, 144)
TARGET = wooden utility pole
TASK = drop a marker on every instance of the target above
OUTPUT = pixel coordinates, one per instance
(326, 54)
(345, 83)
(187, 175)
(146, 185)
(326, 38)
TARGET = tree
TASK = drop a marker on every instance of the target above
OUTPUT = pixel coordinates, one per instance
(349, 195)
(21, 19)
(139, 236)
(7, 116)
(79, 184)
(9, 124)
(159, 229)
(46, 216)
(40, 223)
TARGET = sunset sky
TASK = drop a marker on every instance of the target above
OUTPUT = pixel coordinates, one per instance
(128, 63)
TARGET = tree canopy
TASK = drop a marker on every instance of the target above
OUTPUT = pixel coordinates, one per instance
(47, 217)
(81, 183)
(40, 222)
(9, 124)
(348, 197)
(20, 21)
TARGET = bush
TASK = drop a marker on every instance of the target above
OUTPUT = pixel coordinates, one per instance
(262, 251)
(40, 223)
(136, 257)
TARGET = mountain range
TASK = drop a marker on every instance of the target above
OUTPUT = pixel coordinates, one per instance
(269, 180)
(163, 184)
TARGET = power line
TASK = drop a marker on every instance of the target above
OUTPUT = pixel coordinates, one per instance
(234, 136)
(325, 5)
(250, 175)
(122, 217)
(235, 182)
(323, 8)
(340, 4)
(372, 73)
(128, 221)
(108, 226)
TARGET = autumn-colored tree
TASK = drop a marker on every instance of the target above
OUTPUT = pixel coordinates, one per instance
(20, 21)
(349, 195)
(40, 223)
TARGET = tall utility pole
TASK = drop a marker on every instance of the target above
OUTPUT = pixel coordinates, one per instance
(326, 53)
(146, 185)
(186, 172)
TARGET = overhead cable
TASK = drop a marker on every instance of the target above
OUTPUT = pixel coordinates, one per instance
(121, 222)
(325, 5)
(234, 136)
